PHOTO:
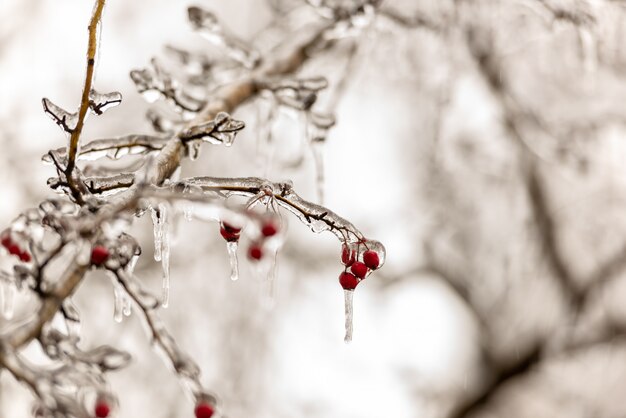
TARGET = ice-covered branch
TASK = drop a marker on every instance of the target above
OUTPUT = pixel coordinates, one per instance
(183, 365)
(88, 235)
(85, 101)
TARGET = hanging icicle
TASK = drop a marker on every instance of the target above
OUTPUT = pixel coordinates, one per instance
(231, 246)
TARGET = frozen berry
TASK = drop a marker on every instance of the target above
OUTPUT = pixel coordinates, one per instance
(255, 252)
(348, 281)
(14, 249)
(269, 229)
(347, 256)
(229, 228)
(229, 236)
(102, 409)
(204, 410)
(359, 269)
(99, 254)
(5, 241)
(371, 260)
(25, 256)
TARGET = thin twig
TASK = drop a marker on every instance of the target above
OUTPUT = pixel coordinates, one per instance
(92, 48)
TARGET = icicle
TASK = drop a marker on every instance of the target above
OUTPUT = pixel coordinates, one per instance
(317, 149)
(231, 246)
(7, 299)
(188, 212)
(127, 305)
(317, 130)
(348, 295)
(132, 263)
(270, 298)
(157, 222)
(118, 307)
(165, 255)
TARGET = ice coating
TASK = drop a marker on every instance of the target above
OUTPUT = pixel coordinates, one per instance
(221, 130)
(207, 24)
(100, 103)
(67, 121)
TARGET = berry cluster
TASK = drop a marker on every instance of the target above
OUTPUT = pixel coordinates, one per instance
(14, 248)
(255, 252)
(361, 259)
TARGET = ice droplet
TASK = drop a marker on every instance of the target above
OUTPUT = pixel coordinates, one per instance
(193, 149)
(231, 246)
(348, 296)
(7, 299)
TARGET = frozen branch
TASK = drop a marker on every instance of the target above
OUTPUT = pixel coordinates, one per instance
(92, 50)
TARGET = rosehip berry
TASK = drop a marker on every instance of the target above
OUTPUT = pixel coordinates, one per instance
(348, 281)
(229, 236)
(14, 249)
(255, 252)
(99, 254)
(347, 256)
(102, 409)
(204, 410)
(269, 229)
(359, 269)
(371, 260)
(25, 256)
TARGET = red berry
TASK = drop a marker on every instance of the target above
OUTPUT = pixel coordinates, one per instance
(229, 236)
(25, 256)
(347, 255)
(359, 269)
(371, 260)
(269, 229)
(204, 410)
(255, 252)
(14, 249)
(348, 281)
(102, 409)
(6, 241)
(99, 254)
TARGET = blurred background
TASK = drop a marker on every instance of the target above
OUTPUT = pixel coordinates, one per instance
(482, 142)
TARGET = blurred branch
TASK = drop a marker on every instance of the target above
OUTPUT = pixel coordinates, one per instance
(577, 291)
